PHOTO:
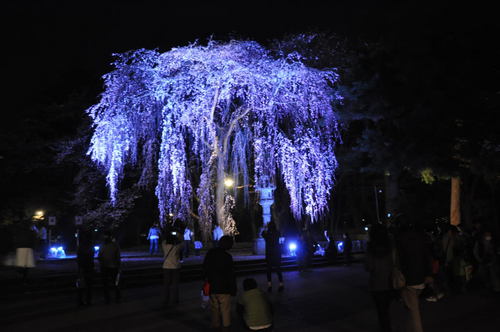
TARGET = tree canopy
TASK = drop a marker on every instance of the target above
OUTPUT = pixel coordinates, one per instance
(190, 116)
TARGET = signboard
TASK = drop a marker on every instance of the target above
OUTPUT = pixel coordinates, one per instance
(52, 221)
(78, 220)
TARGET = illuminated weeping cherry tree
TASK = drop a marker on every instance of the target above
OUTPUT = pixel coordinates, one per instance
(225, 108)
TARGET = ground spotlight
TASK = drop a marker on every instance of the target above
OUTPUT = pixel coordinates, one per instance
(292, 247)
(340, 246)
(57, 252)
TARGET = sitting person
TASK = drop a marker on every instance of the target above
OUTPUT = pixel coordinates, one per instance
(255, 307)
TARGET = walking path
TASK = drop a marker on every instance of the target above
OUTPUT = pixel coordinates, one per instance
(333, 298)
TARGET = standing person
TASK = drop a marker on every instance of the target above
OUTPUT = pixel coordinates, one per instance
(154, 238)
(273, 255)
(309, 249)
(304, 250)
(347, 248)
(109, 261)
(24, 241)
(485, 252)
(7, 248)
(255, 307)
(42, 236)
(379, 263)
(172, 249)
(188, 234)
(85, 260)
(453, 249)
(436, 286)
(219, 271)
(416, 265)
(331, 249)
(217, 234)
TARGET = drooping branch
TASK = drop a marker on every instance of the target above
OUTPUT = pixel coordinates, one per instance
(221, 105)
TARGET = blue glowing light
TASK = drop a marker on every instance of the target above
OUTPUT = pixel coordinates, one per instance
(57, 252)
(340, 246)
(292, 248)
(227, 106)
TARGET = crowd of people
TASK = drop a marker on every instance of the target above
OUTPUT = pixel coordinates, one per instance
(408, 263)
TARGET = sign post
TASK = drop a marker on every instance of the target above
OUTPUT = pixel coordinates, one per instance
(52, 222)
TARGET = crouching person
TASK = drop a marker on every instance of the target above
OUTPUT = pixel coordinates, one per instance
(255, 308)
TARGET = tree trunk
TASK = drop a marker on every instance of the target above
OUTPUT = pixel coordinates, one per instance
(219, 193)
(455, 201)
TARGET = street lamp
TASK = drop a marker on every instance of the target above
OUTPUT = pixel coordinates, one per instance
(39, 215)
(228, 182)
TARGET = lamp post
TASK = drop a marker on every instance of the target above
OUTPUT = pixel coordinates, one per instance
(266, 200)
(39, 215)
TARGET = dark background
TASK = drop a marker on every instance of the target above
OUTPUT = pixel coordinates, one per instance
(54, 47)
(56, 51)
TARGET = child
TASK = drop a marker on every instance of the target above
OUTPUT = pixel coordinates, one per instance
(255, 308)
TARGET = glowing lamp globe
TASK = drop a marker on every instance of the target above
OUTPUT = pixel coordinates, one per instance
(228, 182)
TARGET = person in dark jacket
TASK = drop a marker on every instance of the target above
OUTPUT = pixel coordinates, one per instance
(218, 268)
(347, 248)
(273, 255)
(85, 260)
(305, 250)
(109, 261)
(485, 252)
(379, 263)
(416, 265)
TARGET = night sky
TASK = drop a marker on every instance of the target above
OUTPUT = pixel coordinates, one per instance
(55, 47)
